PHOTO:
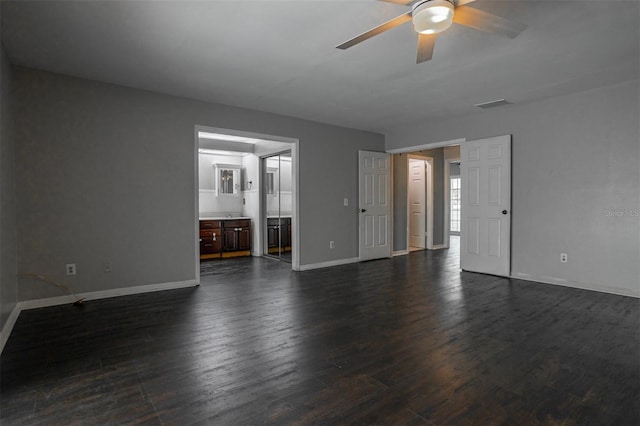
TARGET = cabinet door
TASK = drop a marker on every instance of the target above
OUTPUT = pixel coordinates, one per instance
(230, 240)
(244, 239)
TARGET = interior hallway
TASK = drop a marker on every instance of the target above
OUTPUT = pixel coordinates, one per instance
(403, 340)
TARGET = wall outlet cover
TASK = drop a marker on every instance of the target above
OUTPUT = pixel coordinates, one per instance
(70, 268)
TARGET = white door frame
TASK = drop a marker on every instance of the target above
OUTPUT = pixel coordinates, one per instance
(295, 170)
(429, 176)
(447, 198)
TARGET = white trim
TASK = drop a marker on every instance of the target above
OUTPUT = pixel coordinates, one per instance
(105, 294)
(573, 284)
(295, 201)
(196, 201)
(8, 326)
(329, 263)
(426, 146)
(400, 253)
(440, 247)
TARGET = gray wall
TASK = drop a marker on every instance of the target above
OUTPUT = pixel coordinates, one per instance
(8, 283)
(106, 173)
(400, 179)
(438, 192)
(575, 183)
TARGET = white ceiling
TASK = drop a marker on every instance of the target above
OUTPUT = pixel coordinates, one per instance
(280, 56)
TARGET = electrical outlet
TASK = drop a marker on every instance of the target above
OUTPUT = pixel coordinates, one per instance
(332, 244)
(71, 268)
(346, 202)
(107, 267)
(563, 257)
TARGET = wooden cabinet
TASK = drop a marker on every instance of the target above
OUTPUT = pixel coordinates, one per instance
(225, 238)
(210, 238)
(237, 235)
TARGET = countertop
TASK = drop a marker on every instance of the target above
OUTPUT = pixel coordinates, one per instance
(224, 217)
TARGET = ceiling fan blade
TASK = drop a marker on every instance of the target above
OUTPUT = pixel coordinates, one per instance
(403, 2)
(462, 2)
(377, 30)
(426, 42)
(484, 21)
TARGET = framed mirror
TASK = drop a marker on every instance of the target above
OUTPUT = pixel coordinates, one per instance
(227, 179)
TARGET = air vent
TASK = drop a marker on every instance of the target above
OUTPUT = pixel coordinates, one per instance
(492, 104)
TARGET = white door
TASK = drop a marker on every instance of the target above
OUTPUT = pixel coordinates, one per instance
(417, 208)
(485, 226)
(375, 205)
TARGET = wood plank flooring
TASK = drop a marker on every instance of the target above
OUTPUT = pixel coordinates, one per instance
(408, 340)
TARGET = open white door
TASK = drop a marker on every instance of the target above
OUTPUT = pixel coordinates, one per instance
(485, 226)
(375, 205)
(417, 203)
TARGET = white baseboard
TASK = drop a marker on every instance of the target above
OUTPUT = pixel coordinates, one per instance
(329, 263)
(399, 253)
(104, 294)
(7, 328)
(439, 247)
(573, 284)
(93, 295)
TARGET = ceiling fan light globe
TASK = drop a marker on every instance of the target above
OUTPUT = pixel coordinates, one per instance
(438, 18)
(432, 16)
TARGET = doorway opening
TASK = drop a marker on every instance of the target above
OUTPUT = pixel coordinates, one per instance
(407, 219)
(229, 194)
(452, 193)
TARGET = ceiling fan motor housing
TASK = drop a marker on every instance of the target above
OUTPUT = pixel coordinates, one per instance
(432, 16)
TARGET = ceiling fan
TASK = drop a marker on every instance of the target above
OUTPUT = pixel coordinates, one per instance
(431, 17)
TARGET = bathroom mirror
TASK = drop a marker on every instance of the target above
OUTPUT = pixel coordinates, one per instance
(228, 179)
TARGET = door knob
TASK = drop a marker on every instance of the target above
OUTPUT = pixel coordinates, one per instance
(504, 212)
(363, 210)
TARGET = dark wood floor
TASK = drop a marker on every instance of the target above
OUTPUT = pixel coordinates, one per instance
(408, 340)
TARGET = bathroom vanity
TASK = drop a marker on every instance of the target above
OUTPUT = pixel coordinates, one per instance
(225, 237)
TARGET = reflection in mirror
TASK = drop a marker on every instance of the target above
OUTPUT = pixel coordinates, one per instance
(226, 181)
(270, 183)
